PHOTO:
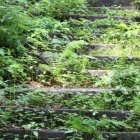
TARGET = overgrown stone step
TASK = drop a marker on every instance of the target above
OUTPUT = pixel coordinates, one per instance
(110, 2)
(72, 35)
(48, 57)
(74, 16)
(119, 115)
(70, 90)
(63, 135)
(96, 46)
(42, 134)
(100, 73)
(98, 114)
(113, 58)
(93, 18)
(98, 9)
(122, 135)
(44, 57)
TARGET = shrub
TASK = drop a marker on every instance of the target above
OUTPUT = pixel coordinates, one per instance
(12, 25)
(56, 8)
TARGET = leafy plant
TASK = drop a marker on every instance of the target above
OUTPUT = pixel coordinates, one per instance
(137, 105)
(137, 4)
(56, 8)
(87, 126)
(128, 78)
(13, 23)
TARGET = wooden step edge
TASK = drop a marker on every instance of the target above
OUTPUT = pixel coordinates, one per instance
(96, 46)
(74, 16)
(100, 73)
(68, 90)
(61, 134)
(60, 34)
(119, 115)
(73, 35)
(122, 135)
(110, 2)
(105, 26)
(111, 8)
(102, 34)
(105, 58)
(42, 134)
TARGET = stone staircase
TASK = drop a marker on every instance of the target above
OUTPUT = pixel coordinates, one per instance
(70, 93)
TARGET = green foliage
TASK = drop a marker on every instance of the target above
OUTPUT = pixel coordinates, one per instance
(69, 58)
(92, 127)
(85, 125)
(31, 99)
(128, 78)
(136, 1)
(137, 4)
(35, 46)
(4, 117)
(122, 100)
(137, 104)
(69, 68)
(13, 23)
(56, 8)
